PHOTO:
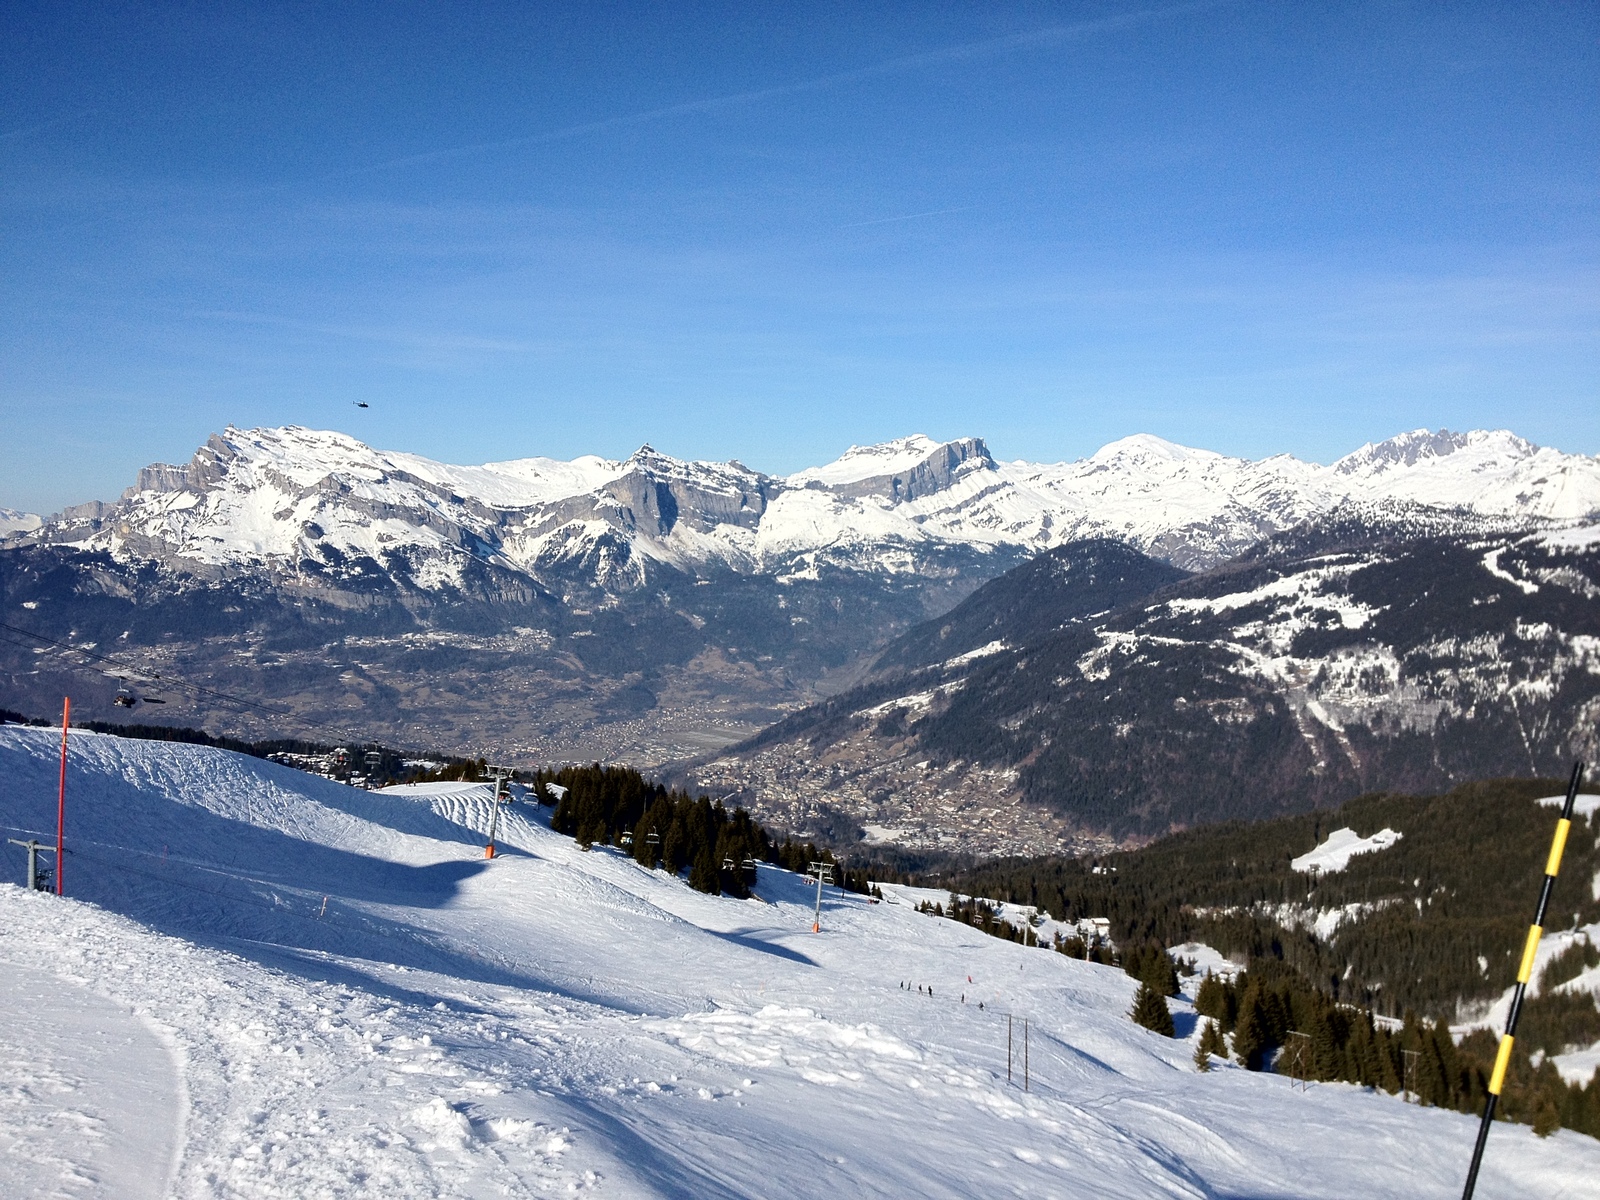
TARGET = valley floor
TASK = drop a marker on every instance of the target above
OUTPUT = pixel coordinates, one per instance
(263, 984)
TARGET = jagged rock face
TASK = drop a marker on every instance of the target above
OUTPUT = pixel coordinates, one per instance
(1345, 657)
(749, 593)
(935, 472)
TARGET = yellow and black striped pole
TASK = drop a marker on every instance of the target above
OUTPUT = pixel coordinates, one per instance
(1530, 950)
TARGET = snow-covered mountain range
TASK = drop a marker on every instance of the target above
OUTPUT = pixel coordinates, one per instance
(648, 608)
(277, 498)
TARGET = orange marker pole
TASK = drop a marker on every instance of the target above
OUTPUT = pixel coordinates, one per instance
(61, 795)
(1530, 951)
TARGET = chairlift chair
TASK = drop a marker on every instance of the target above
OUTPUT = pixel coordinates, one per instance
(626, 839)
(124, 698)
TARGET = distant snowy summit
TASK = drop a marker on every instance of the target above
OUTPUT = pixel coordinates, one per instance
(12, 521)
(280, 498)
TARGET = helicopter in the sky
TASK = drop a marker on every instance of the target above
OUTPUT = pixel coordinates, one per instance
(361, 404)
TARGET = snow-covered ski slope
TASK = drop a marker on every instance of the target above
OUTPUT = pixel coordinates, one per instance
(264, 984)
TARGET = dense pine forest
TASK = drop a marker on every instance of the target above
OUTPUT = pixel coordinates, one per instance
(670, 829)
(1431, 933)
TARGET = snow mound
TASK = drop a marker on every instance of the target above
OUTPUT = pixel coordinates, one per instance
(1206, 960)
(1335, 853)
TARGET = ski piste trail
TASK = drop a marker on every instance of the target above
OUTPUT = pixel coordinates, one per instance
(262, 983)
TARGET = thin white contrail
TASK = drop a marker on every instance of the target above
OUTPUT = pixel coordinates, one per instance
(934, 212)
(1016, 41)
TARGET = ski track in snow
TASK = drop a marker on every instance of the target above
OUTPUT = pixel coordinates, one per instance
(195, 1023)
(93, 1104)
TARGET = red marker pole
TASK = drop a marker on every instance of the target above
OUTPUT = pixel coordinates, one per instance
(61, 796)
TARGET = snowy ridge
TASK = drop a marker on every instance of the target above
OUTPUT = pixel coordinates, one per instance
(271, 498)
(12, 521)
(327, 992)
(1335, 851)
(866, 462)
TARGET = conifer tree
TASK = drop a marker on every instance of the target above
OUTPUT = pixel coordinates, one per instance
(677, 850)
(1325, 1041)
(1150, 1010)
(1249, 1033)
(1160, 974)
(703, 874)
(1211, 1042)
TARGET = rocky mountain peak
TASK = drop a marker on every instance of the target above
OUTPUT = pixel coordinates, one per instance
(900, 471)
(1421, 445)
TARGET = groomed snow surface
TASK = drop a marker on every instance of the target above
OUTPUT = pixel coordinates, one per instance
(264, 984)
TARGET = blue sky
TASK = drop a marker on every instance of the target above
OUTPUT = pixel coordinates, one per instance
(770, 231)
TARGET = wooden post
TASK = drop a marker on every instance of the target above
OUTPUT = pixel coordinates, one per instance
(61, 795)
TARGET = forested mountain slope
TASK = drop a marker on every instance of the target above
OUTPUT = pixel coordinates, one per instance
(1413, 906)
(1349, 655)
